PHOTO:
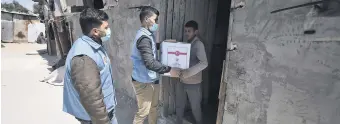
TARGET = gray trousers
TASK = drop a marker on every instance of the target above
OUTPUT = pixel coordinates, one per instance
(193, 91)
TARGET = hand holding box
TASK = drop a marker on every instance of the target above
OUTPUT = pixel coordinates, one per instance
(174, 72)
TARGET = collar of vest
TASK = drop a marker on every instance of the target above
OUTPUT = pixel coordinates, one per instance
(92, 43)
(193, 40)
(146, 31)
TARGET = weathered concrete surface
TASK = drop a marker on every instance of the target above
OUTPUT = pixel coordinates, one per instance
(278, 75)
(24, 99)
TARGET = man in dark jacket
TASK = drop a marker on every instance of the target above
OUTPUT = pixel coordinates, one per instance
(89, 94)
(146, 68)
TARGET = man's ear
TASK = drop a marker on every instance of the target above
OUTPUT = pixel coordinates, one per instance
(94, 31)
(196, 32)
(147, 20)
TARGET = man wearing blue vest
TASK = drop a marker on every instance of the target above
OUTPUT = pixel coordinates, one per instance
(146, 67)
(89, 94)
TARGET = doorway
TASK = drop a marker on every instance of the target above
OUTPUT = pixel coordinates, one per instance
(217, 56)
(212, 17)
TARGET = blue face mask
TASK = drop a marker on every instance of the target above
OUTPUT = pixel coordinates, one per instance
(107, 36)
(154, 27)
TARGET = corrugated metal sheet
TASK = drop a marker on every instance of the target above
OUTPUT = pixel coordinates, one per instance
(6, 16)
(19, 13)
(6, 31)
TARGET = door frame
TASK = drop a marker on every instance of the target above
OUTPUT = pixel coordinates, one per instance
(223, 84)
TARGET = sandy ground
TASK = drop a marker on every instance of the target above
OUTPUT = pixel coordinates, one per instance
(26, 100)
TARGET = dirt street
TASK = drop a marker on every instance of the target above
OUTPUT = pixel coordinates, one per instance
(26, 100)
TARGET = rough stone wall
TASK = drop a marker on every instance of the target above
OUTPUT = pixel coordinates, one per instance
(124, 26)
(279, 75)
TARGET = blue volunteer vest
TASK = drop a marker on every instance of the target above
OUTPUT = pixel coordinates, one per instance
(139, 72)
(86, 46)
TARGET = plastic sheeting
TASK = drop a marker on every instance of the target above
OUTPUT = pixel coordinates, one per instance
(34, 30)
(56, 77)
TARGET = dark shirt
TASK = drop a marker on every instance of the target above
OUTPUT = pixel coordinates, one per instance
(145, 48)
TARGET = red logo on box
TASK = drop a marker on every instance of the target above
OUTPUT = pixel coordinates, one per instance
(177, 53)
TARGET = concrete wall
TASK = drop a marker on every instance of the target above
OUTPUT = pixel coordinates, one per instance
(125, 23)
(279, 75)
(21, 23)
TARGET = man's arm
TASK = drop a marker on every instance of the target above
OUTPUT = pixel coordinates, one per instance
(86, 80)
(145, 48)
(201, 65)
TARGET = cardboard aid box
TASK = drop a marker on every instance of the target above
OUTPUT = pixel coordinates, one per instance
(175, 54)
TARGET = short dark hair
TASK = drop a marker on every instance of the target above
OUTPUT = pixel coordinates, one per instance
(146, 11)
(192, 24)
(91, 18)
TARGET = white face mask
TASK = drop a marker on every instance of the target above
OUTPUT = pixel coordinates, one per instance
(107, 36)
